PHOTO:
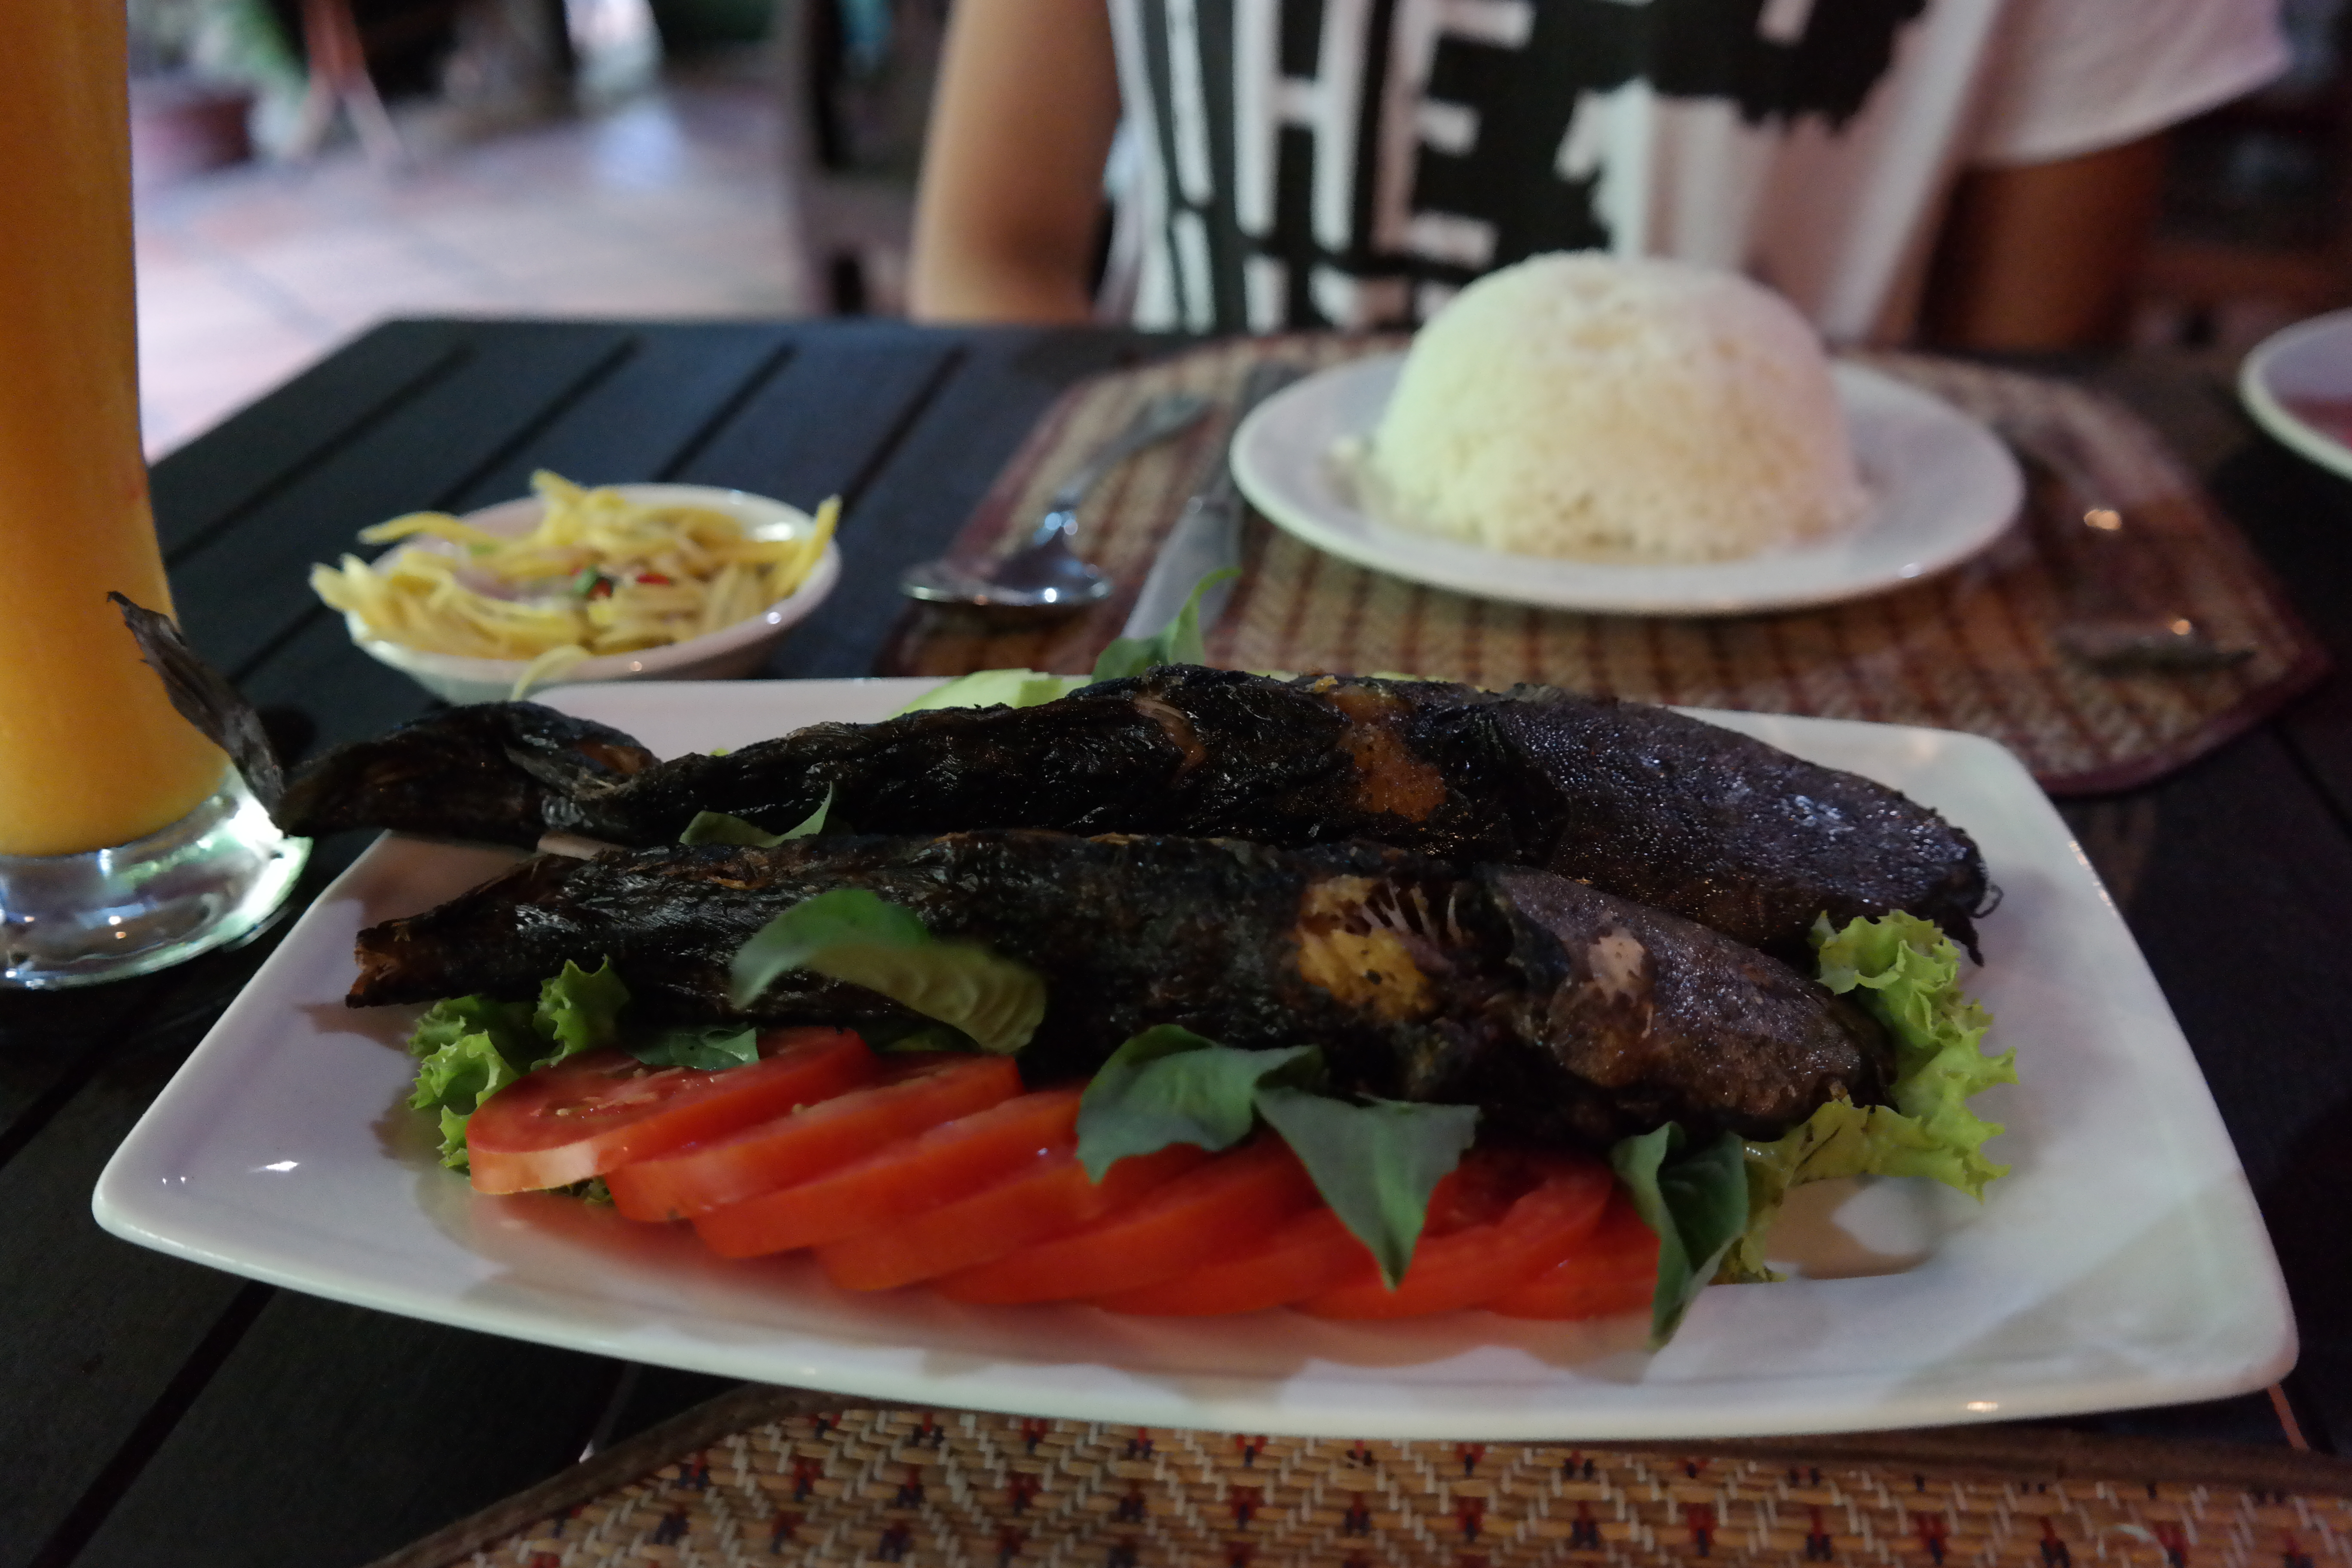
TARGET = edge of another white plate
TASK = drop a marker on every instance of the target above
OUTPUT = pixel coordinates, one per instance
(2254, 374)
(1944, 487)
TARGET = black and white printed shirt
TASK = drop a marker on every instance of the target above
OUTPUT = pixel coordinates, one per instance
(1354, 163)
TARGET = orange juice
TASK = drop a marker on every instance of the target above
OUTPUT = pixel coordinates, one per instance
(92, 754)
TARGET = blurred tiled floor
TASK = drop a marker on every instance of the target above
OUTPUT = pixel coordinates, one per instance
(670, 205)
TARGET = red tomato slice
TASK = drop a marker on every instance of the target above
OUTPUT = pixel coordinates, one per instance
(913, 1094)
(1231, 1200)
(1554, 1200)
(1050, 1196)
(1615, 1270)
(896, 1181)
(604, 1109)
(1303, 1256)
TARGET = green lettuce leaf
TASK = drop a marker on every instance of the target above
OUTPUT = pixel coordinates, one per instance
(1374, 1163)
(1169, 1085)
(472, 1046)
(717, 827)
(1841, 1138)
(469, 1046)
(1696, 1202)
(851, 935)
(1180, 643)
(1905, 972)
(454, 1078)
(998, 689)
(578, 1011)
(704, 1046)
(509, 1024)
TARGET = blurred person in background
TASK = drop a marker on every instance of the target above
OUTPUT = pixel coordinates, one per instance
(1975, 172)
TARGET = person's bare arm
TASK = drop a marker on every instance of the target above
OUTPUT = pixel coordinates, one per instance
(1005, 220)
(2042, 256)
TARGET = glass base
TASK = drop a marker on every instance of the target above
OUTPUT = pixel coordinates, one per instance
(209, 879)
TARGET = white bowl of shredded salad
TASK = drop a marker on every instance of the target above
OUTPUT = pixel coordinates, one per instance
(634, 582)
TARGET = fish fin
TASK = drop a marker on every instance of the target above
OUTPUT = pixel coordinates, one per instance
(571, 773)
(204, 698)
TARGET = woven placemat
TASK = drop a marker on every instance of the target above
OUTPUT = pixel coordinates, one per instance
(771, 1476)
(1969, 650)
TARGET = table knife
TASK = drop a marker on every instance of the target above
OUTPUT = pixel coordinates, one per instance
(1207, 536)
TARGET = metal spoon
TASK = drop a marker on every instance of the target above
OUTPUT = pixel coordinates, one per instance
(1045, 573)
(2110, 625)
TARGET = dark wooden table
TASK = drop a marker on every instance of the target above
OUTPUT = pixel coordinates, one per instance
(155, 1412)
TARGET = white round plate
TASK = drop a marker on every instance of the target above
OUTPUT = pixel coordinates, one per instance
(1942, 488)
(2293, 368)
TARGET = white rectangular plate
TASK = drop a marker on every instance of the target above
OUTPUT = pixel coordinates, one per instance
(2122, 1262)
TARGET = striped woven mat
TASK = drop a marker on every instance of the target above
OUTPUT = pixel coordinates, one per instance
(1969, 650)
(771, 1476)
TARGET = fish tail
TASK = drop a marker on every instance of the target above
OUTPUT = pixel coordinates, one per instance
(204, 698)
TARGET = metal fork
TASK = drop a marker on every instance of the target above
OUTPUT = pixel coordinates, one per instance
(1047, 572)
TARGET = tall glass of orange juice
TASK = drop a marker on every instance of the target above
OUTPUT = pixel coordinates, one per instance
(126, 843)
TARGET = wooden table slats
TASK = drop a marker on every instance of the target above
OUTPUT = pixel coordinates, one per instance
(424, 452)
(209, 485)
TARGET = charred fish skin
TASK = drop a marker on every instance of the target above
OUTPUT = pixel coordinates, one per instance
(1717, 826)
(1650, 804)
(462, 773)
(1643, 1016)
(1218, 753)
(1512, 989)
(1641, 801)
(1128, 931)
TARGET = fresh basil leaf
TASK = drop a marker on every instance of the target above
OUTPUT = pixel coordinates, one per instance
(997, 689)
(851, 935)
(717, 827)
(705, 1046)
(1376, 1163)
(1180, 643)
(993, 999)
(1696, 1202)
(924, 1037)
(578, 1011)
(1169, 1085)
(811, 824)
(843, 917)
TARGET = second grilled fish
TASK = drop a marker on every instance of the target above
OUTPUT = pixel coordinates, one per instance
(1565, 1011)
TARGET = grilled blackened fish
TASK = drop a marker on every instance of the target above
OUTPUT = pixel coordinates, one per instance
(1640, 801)
(465, 773)
(1565, 1011)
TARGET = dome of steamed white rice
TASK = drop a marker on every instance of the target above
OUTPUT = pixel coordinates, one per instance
(1592, 406)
